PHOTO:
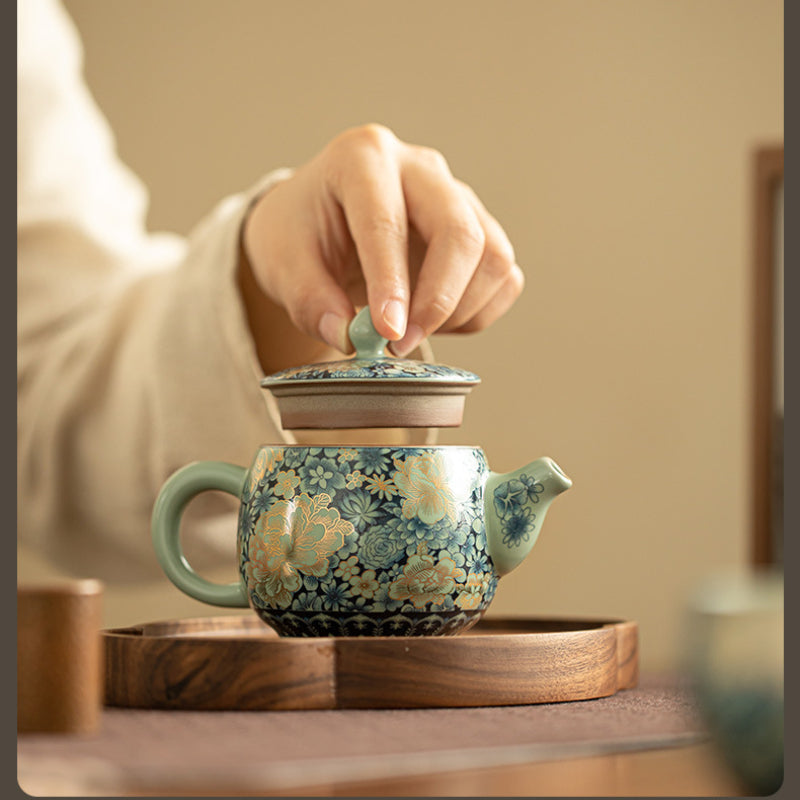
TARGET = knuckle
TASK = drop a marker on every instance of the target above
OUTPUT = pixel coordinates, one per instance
(387, 225)
(456, 320)
(503, 251)
(467, 190)
(350, 150)
(302, 309)
(472, 325)
(517, 279)
(300, 317)
(499, 258)
(432, 159)
(440, 308)
(373, 136)
(467, 234)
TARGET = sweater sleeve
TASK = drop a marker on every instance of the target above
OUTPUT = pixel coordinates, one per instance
(134, 357)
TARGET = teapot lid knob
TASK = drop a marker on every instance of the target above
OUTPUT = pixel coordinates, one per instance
(363, 336)
(371, 390)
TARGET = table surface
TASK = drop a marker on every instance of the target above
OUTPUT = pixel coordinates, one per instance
(649, 740)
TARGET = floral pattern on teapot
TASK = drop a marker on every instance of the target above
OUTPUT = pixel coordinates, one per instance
(348, 540)
(371, 369)
(512, 501)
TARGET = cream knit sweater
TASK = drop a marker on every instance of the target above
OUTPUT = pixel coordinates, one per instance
(134, 357)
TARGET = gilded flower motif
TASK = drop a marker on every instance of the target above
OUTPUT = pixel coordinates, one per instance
(331, 531)
(265, 461)
(293, 538)
(424, 580)
(423, 484)
(472, 594)
(365, 584)
(382, 486)
(347, 568)
(285, 483)
(354, 479)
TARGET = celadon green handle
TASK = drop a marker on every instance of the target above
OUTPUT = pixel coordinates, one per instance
(175, 494)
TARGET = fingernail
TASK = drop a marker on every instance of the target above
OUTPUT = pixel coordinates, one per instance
(333, 329)
(414, 335)
(394, 315)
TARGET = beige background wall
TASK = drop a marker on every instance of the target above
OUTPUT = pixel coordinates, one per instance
(613, 141)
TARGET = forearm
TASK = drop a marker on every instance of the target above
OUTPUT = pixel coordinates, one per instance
(143, 373)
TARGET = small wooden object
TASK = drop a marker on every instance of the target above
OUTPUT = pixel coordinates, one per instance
(240, 663)
(59, 657)
(767, 365)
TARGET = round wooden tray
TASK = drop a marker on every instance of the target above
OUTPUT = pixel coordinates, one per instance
(237, 662)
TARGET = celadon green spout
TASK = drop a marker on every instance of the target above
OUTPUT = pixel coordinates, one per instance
(516, 504)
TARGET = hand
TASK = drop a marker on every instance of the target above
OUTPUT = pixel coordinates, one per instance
(373, 219)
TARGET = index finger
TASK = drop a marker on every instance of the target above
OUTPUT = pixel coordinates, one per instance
(370, 193)
(442, 213)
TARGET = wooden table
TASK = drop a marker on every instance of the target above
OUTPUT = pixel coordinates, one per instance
(644, 741)
(679, 771)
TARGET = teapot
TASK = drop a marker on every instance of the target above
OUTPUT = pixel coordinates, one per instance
(365, 540)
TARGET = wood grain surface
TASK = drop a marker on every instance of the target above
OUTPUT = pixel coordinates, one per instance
(239, 663)
(59, 658)
(767, 179)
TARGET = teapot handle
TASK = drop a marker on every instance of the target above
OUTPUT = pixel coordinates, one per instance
(175, 494)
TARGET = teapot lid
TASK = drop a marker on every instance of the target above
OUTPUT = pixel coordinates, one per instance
(370, 389)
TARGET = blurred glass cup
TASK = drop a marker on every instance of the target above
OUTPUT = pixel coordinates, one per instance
(735, 662)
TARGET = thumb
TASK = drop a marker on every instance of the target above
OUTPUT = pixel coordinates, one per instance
(319, 307)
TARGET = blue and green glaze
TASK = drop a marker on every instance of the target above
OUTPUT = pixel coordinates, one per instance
(370, 363)
(367, 541)
(371, 369)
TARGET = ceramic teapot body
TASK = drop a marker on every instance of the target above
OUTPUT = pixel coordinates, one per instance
(359, 541)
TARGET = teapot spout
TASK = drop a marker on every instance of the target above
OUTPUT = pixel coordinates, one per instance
(516, 504)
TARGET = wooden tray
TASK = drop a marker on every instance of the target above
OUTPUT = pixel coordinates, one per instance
(239, 663)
